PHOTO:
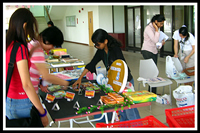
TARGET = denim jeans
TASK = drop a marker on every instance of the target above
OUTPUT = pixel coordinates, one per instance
(129, 114)
(18, 108)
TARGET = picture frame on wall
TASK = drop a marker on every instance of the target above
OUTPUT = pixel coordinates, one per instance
(71, 21)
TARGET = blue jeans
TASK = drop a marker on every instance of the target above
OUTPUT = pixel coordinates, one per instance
(129, 114)
(18, 108)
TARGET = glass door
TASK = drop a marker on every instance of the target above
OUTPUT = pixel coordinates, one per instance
(134, 28)
(130, 28)
(168, 28)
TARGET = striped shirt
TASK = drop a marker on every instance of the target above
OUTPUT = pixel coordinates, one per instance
(37, 57)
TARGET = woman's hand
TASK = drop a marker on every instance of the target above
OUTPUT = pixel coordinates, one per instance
(78, 82)
(45, 121)
(186, 59)
(176, 56)
(44, 88)
(155, 26)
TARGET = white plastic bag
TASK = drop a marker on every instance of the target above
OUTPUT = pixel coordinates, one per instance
(165, 99)
(173, 68)
(184, 96)
(170, 68)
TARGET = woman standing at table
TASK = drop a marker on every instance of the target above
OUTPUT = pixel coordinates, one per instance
(48, 38)
(21, 94)
(151, 37)
(108, 50)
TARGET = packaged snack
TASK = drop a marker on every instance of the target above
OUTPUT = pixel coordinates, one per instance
(117, 97)
(141, 96)
(59, 94)
(54, 88)
(108, 100)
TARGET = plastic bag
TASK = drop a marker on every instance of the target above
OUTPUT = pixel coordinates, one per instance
(165, 99)
(173, 68)
(184, 96)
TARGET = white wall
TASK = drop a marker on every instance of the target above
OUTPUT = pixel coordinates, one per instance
(80, 33)
(119, 23)
(105, 18)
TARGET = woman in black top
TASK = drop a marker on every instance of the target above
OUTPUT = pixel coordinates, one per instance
(108, 50)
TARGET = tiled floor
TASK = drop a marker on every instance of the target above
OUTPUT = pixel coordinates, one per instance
(157, 110)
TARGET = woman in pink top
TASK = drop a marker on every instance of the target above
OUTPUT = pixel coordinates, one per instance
(151, 37)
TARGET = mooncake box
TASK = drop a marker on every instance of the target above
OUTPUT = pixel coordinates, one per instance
(117, 97)
(108, 100)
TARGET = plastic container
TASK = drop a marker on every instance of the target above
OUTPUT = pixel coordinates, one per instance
(148, 121)
(101, 70)
(180, 117)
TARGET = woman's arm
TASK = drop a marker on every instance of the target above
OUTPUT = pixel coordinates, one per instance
(43, 70)
(191, 53)
(175, 48)
(22, 66)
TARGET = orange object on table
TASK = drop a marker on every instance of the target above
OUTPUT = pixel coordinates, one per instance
(108, 100)
(117, 97)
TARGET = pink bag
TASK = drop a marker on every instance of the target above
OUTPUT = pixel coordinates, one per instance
(90, 76)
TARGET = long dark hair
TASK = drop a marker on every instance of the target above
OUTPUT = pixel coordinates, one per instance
(100, 35)
(184, 32)
(16, 32)
(158, 17)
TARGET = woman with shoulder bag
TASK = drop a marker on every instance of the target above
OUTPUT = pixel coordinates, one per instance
(21, 94)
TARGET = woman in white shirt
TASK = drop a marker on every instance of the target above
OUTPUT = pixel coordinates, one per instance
(187, 47)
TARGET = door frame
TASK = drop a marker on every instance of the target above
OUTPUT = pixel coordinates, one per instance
(134, 48)
(90, 31)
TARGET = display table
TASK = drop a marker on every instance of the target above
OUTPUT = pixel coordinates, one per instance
(68, 113)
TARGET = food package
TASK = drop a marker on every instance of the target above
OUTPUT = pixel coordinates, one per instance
(108, 100)
(141, 96)
(117, 97)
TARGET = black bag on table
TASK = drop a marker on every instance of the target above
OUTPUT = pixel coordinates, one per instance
(34, 120)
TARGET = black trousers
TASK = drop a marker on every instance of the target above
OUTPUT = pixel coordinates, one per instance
(149, 55)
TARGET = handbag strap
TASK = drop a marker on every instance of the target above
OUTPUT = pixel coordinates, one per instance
(11, 64)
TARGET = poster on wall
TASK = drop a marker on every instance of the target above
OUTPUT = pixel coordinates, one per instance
(71, 21)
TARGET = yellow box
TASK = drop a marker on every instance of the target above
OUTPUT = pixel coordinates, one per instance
(59, 49)
(141, 96)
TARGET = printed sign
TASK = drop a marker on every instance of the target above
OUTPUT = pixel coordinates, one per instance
(69, 96)
(89, 94)
(50, 98)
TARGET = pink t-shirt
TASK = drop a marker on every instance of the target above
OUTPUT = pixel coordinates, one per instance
(38, 56)
(151, 37)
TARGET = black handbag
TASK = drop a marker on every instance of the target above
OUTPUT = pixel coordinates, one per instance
(34, 120)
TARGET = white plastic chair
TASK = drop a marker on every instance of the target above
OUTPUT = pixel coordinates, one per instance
(179, 68)
(148, 69)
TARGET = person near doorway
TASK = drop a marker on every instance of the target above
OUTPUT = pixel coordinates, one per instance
(151, 37)
(108, 50)
(50, 24)
(187, 47)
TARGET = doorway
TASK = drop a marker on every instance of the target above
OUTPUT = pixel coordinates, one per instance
(134, 28)
(90, 27)
(137, 18)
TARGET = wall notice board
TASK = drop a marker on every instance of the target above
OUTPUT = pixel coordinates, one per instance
(71, 21)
